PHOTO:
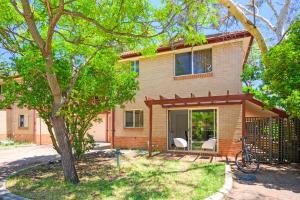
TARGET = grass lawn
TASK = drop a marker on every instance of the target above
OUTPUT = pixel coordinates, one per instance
(11, 143)
(138, 178)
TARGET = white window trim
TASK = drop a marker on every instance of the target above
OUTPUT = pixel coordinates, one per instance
(133, 110)
(192, 62)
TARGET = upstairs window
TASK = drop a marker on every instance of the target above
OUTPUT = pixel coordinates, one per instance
(183, 64)
(134, 119)
(135, 66)
(195, 62)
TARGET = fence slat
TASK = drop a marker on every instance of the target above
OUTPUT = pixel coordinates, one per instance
(274, 140)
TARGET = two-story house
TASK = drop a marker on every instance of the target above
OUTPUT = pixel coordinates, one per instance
(189, 92)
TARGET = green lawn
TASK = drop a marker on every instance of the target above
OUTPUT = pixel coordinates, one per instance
(11, 143)
(139, 178)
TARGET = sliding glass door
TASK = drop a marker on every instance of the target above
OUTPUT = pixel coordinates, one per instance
(197, 127)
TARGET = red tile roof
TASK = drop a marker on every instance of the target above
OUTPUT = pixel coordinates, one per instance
(214, 38)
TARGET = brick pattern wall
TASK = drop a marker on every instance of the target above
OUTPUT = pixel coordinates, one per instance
(140, 142)
(229, 147)
(230, 129)
(157, 78)
(23, 137)
(43, 139)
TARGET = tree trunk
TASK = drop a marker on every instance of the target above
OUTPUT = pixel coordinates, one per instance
(67, 158)
(53, 139)
(249, 26)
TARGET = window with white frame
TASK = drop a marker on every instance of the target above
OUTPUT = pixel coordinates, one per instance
(195, 62)
(135, 66)
(134, 119)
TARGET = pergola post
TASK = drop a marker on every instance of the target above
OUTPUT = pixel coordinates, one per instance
(150, 131)
(106, 127)
(244, 118)
(113, 129)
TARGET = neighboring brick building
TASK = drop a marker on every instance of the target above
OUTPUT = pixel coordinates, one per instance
(193, 93)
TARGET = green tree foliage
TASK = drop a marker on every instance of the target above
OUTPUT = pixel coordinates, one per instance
(282, 76)
(278, 84)
(66, 53)
(101, 86)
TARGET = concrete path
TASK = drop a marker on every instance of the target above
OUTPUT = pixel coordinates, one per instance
(270, 183)
(15, 158)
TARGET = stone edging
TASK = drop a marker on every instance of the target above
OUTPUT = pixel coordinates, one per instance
(226, 187)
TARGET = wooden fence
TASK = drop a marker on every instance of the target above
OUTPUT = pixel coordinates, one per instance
(274, 140)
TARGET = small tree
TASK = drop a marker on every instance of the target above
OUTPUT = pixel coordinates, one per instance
(100, 87)
(63, 38)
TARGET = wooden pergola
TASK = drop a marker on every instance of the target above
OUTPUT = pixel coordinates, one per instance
(178, 101)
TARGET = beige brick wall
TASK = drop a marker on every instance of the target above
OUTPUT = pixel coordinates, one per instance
(157, 78)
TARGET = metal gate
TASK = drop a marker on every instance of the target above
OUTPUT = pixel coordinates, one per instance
(274, 140)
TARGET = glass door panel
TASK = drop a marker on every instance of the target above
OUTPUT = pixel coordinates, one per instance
(178, 128)
(203, 130)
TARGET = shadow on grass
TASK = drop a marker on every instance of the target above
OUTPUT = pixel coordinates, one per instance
(105, 181)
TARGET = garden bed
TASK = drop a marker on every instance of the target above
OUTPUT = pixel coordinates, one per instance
(138, 178)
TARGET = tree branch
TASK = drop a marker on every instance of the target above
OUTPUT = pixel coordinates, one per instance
(282, 18)
(77, 73)
(269, 2)
(16, 34)
(254, 31)
(52, 25)
(48, 6)
(266, 21)
(29, 18)
(76, 41)
(14, 3)
(111, 31)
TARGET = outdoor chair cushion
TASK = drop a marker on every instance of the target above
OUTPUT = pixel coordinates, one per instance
(180, 142)
(209, 144)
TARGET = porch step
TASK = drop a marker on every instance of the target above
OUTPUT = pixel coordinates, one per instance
(102, 146)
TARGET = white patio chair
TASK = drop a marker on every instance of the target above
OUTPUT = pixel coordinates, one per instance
(180, 143)
(209, 144)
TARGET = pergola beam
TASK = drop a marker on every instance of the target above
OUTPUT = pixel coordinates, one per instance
(211, 99)
(201, 104)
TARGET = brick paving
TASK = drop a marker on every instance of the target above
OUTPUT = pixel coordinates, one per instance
(277, 182)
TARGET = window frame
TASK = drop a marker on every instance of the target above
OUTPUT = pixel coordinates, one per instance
(133, 116)
(24, 122)
(134, 66)
(192, 61)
